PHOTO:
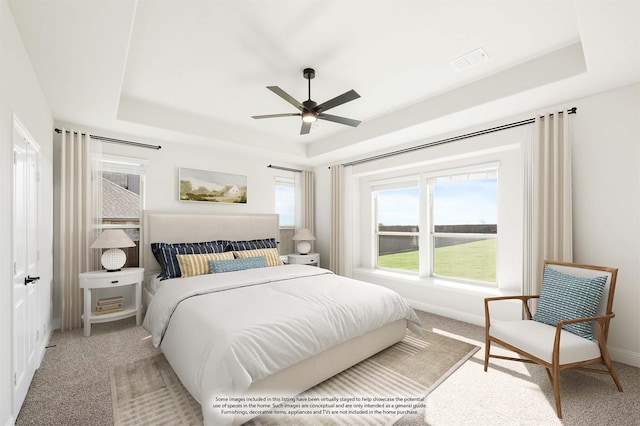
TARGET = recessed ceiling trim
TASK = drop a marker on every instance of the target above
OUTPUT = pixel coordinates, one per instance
(543, 70)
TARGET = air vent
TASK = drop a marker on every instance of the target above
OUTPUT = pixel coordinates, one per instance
(469, 60)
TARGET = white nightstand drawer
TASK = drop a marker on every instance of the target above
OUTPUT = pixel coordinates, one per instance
(110, 279)
(305, 259)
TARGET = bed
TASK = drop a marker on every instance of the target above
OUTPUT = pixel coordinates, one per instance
(274, 331)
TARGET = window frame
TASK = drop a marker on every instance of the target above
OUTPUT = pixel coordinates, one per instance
(488, 170)
(426, 231)
(286, 232)
(288, 182)
(130, 166)
(390, 185)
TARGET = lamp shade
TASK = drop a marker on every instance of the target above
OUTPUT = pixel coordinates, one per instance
(113, 239)
(303, 236)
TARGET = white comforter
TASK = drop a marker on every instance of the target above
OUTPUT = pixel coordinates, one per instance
(243, 326)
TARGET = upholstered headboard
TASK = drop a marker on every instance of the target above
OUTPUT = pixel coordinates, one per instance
(183, 227)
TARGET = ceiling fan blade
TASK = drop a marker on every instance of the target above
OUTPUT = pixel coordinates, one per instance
(341, 120)
(306, 127)
(257, 117)
(287, 97)
(338, 100)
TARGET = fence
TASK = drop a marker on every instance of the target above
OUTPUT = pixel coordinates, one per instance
(388, 244)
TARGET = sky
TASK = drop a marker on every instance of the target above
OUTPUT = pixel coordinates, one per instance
(456, 203)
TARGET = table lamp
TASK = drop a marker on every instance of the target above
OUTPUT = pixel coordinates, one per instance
(113, 239)
(303, 236)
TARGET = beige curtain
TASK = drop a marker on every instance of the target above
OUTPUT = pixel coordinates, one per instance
(336, 249)
(548, 207)
(305, 216)
(79, 213)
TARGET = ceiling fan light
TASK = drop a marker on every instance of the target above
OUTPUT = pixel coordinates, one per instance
(309, 117)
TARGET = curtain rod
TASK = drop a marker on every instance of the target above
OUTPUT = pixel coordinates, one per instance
(573, 110)
(284, 168)
(112, 140)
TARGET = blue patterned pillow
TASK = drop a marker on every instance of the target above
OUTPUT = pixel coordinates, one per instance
(566, 297)
(166, 254)
(251, 244)
(218, 266)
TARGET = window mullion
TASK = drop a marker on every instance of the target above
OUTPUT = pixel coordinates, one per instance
(425, 226)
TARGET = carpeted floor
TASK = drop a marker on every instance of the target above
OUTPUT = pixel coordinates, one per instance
(71, 387)
(147, 391)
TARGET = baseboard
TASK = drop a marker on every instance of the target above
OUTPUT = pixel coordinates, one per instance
(625, 356)
(446, 312)
(43, 348)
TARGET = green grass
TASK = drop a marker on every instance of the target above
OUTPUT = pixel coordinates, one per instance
(472, 261)
(407, 261)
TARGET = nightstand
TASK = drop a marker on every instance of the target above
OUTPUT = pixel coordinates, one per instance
(305, 259)
(95, 280)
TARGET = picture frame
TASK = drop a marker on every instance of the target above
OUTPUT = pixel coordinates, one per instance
(211, 187)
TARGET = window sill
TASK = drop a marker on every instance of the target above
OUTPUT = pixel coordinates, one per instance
(436, 283)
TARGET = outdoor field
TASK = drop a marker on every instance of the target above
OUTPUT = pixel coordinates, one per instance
(473, 261)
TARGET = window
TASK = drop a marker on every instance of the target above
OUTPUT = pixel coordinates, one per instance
(397, 212)
(286, 209)
(122, 199)
(285, 201)
(463, 212)
(458, 226)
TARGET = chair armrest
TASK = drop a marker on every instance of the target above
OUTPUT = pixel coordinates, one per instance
(524, 300)
(601, 319)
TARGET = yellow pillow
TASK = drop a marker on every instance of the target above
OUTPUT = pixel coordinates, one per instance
(198, 264)
(271, 255)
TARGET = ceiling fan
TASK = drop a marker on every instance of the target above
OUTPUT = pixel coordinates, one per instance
(310, 111)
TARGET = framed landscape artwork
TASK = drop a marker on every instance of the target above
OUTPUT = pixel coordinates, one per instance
(212, 187)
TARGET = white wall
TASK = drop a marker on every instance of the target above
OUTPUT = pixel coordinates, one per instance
(161, 179)
(20, 93)
(161, 189)
(606, 193)
(606, 209)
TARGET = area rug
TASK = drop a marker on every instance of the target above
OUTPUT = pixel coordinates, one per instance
(378, 390)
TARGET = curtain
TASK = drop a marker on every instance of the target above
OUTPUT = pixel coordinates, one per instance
(336, 248)
(80, 183)
(305, 216)
(548, 207)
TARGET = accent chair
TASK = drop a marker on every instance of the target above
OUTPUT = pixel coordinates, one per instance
(569, 328)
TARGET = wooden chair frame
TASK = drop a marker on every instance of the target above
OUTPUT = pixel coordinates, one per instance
(554, 368)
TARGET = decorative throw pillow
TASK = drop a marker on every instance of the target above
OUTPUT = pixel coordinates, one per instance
(566, 297)
(169, 251)
(252, 244)
(198, 264)
(218, 266)
(271, 255)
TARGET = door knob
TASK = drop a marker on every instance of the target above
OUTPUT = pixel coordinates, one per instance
(29, 279)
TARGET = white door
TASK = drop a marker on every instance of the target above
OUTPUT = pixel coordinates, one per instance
(25, 263)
